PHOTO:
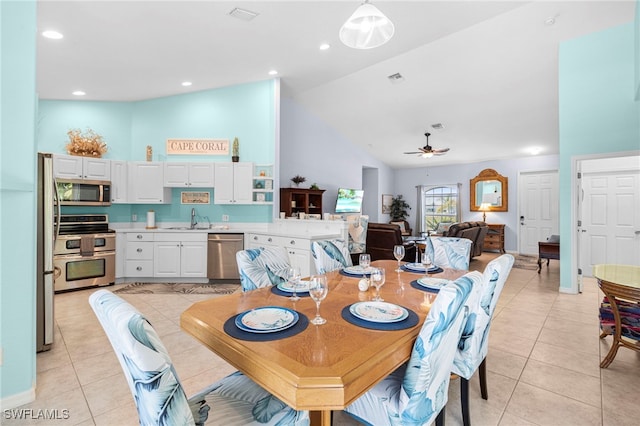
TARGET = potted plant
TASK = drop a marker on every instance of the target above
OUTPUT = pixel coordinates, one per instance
(399, 209)
(314, 186)
(297, 180)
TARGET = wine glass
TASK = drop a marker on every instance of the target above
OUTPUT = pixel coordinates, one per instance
(318, 291)
(398, 253)
(377, 279)
(426, 261)
(365, 261)
(293, 276)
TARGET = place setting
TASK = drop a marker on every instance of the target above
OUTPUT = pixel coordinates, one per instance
(426, 266)
(362, 270)
(294, 287)
(377, 314)
(266, 323)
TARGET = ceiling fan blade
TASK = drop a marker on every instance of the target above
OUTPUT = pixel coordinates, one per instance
(413, 152)
(440, 151)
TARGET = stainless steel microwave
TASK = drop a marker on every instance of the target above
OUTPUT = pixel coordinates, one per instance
(76, 192)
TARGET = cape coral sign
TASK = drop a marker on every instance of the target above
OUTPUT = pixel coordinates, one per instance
(198, 146)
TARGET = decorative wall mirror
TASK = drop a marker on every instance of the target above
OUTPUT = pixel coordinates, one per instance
(489, 188)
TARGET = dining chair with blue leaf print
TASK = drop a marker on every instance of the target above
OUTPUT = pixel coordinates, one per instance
(416, 393)
(158, 394)
(474, 344)
(262, 267)
(330, 255)
(450, 252)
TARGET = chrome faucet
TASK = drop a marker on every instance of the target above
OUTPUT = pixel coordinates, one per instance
(193, 218)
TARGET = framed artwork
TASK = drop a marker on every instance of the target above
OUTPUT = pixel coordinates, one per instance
(194, 198)
(387, 199)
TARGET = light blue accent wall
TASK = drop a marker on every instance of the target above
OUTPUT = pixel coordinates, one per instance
(245, 111)
(311, 148)
(17, 197)
(598, 112)
(408, 179)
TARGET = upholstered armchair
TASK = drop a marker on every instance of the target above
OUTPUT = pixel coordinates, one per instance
(158, 394)
(329, 255)
(474, 344)
(262, 267)
(474, 231)
(405, 228)
(381, 237)
(416, 393)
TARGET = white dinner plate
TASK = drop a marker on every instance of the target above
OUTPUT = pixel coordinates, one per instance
(432, 283)
(357, 270)
(378, 311)
(267, 319)
(287, 287)
(419, 267)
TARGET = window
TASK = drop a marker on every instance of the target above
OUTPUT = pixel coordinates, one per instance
(439, 204)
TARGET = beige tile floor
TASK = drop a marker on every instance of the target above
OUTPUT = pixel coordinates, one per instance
(543, 362)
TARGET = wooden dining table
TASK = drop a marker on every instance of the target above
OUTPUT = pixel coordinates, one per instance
(324, 367)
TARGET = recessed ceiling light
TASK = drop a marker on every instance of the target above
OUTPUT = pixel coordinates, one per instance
(186, 83)
(243, 14)
(550, 21)
(325, 46)
(78, 93)
(54, 35)
(535, 150)
(273, 72)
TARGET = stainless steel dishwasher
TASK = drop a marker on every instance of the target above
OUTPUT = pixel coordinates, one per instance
(221, 256)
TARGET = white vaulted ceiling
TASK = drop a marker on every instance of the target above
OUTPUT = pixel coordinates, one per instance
(488, 71)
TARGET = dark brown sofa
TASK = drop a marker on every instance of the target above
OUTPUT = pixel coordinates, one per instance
(381, 237)
(474, 231)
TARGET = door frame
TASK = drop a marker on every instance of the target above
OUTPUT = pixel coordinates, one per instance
(519, 210)
(576, 161)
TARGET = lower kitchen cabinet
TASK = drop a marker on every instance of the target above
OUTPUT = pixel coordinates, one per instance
(179, 258)
(165, 255)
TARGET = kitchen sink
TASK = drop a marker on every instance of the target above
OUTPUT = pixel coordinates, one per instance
(185, 228)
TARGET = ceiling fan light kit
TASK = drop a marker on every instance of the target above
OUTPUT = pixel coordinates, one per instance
(367, 28)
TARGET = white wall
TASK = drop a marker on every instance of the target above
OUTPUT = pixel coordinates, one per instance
(406, 181)
(310, 148)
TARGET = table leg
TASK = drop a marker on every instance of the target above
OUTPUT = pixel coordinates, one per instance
(539, 264)
(320, 418)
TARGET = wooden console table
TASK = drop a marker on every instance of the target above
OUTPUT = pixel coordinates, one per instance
(549, 249)
(494, 239)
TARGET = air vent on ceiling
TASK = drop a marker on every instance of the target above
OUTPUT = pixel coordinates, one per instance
(396, 78)
(437, 126)
(243, 14)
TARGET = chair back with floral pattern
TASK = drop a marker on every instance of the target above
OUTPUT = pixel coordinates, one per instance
(330, 255)
(262, 267)
(426, 380)
(154, 384)
(450, 252)
(474, 343)
(357, 229)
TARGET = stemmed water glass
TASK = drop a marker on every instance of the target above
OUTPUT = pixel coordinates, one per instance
(365, 261)
(318, 291)
(426, 262)
(293, 276)
(398, 253)
(377, 280)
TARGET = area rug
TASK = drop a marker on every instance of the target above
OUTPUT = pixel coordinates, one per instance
(523, 261)
(181, 288)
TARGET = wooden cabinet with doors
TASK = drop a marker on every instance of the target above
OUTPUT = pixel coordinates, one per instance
(298, 200)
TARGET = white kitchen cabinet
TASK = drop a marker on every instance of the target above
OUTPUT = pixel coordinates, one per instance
(119, 182)
(298, 249)
(79, 167)
(258, 240)
(121, 249)
(138, 254)
(176, 255)
(185, 175)
(233, 183)
(146, 183)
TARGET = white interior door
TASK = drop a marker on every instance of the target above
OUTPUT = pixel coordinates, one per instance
(538, 209)
(610, 231)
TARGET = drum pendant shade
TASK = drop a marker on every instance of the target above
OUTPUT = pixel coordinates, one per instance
(366, 28)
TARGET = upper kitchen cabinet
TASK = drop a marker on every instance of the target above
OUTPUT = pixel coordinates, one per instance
(234, 183)
(119, 183)
(146, 183)
(188, 175)
(78, 167)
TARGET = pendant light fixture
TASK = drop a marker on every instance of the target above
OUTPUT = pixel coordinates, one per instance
(366, 28)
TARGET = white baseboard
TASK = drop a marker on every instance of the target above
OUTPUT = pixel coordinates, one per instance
(13, 401)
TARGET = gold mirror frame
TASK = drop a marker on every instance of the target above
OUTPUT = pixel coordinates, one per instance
(480, 190)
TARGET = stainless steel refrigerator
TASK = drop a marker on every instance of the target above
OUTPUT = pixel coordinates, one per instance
(47, 212)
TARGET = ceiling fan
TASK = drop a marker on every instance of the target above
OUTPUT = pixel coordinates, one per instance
(428, 151)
